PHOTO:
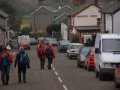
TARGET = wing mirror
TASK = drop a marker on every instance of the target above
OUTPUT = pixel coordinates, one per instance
(97, 51)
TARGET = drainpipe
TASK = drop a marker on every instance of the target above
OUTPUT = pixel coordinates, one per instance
(112, 22)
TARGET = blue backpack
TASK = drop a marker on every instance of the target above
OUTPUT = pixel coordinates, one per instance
(47, 52)
(5, 59)
(23, 58)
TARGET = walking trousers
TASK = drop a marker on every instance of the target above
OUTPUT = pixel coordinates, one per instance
(22, 71)
(42, 63)
(49, 63)
(5, 74)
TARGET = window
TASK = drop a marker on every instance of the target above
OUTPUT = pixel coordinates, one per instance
(98, 21)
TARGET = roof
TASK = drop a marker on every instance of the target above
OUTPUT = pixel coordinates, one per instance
(111, 8)
(87, 28)
(3, 14)
(81, 8)
(51, 9)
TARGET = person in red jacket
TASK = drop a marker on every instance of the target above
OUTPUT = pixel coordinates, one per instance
(41, 54)
(5, 61)
(50, 55)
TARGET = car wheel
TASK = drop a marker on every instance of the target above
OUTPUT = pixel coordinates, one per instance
(70, 57)
(116, 83)
(85, 67)
(101, 76)
(96, 73)
(29, 48)
(88, 67)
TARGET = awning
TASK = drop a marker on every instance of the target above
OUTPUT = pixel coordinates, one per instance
(87, 28)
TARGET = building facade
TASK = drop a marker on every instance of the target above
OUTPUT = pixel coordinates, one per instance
(3, 28)
(110, 18)
(85, 21)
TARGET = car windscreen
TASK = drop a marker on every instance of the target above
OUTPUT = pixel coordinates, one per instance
(75, 47)
(65, 42)
(111, 45)
(85, 51)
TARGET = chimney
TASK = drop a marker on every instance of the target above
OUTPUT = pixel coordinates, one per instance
(96, 2)
(78, 2)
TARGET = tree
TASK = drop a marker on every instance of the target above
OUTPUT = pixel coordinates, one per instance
(75, 39)
(26, 30)
(53, 28)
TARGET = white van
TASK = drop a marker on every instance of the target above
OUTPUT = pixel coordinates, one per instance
(107, 54)
(24, 41)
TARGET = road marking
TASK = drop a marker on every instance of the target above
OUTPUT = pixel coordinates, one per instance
(56, 73)
(65, 87)
(53, 68)
(60, 79)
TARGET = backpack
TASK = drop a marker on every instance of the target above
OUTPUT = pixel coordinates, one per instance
(47, 51)
(39, 52)
(5, 60)
(23, 59)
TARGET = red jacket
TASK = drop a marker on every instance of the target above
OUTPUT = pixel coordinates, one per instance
(9, 56)
(43, 52)
(52, 54)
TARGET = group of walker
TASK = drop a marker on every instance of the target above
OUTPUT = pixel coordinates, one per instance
(22, 61)
(45, 51)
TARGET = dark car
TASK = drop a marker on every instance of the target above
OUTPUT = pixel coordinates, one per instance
(63, 45)
(83, 52)
(33, 41)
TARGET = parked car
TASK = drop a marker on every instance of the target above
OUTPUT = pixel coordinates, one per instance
(33, 41)
(89, 61)
(63, 45)
(53, 41)
(14, 43)
(117, 76)
(73, 50)
(107, 53)
(81, 56)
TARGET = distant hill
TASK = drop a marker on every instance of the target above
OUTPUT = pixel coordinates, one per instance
(24, 7)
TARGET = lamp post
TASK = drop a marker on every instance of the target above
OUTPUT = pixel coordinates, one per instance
(34, 25)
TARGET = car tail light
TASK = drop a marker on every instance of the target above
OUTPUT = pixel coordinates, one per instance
(92, 58)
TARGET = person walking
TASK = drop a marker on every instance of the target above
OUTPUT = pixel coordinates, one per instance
(50, 55)
(23, 62)
(5, 62)
(41, 54)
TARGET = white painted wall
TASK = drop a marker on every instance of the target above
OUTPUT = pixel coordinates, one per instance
(108, 22)
(116, 22)
(64, 32)
(87, 21)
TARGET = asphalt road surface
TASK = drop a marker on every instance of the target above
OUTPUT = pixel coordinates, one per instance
(65, 75)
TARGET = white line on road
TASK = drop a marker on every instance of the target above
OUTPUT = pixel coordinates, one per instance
(60, 79)
(56, 73)
(65, 87)
(53, 68)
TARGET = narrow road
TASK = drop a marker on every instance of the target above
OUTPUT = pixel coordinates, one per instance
(65, 75)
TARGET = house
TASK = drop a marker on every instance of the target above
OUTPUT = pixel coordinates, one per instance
(46, 15)
(3, 27)
(111, 17)
(85, 20)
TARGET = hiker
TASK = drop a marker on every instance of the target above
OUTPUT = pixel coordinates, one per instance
(5, 61)
(49, 55)
(23, 62)
(41, 54)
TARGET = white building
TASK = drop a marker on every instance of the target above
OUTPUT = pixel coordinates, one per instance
(111, 17)
(86, 20)
(64, 32)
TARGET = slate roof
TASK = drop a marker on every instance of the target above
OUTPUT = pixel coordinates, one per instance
(111, 8)
(3, 14)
